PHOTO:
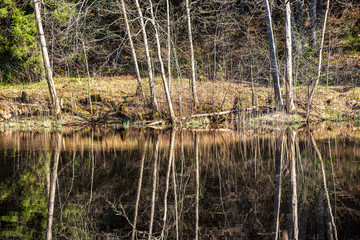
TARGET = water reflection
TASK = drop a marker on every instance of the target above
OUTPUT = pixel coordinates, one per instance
(101, 183)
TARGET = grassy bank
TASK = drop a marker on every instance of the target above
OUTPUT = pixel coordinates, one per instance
(115, 100)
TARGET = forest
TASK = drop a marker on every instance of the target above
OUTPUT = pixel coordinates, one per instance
(180, 119)
(169, 61)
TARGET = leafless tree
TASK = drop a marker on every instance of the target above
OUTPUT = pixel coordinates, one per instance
(193, 70)
(274, 67)
(289, 70)
(48, 71)
(148, 58)
(133, 52)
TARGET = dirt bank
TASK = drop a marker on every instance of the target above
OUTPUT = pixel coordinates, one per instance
(115, 100)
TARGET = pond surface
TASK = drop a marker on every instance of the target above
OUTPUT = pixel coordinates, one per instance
(112, 184)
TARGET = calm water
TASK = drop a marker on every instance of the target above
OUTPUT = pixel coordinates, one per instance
(110, 184)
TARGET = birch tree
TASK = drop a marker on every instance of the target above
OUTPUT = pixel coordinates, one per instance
(163, 76)
(48, 71)
(138, 76)
(288, 46)
(148, 58)
(168, 44)
(193, 70)
(316, 82)
(274, 67)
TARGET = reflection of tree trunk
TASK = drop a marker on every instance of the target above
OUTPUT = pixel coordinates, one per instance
(92, 165)
(171, 155)
(51, 202)
(328, 227)
(278, 163)
(325, 185)
(303, 221)
(320, 215)
(197, 186)
(294, 203)
(139, 190)
(153, 199)
(175, 199)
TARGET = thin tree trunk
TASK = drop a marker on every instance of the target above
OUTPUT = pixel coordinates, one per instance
(319, 11)
(138, 76)
(193, 70)
(180, 81)
(288, 46)
(54, 175)
(168, 44)
(163, 76)
(313, 22)
(314, 85)
(274, 67)
(48, 71)
(88, 75)
(148, 59)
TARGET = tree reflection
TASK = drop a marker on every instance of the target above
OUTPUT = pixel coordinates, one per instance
(179, 185)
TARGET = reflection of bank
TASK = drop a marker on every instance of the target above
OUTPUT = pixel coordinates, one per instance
(53, 179)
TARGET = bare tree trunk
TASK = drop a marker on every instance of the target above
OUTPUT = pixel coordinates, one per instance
(288, 46)
(313, 22)
(193, 71)
(180, 81)
(88, 74)
(168, 44)
(314, 85)
(148, 59)
(274, 68)
(138, 76)
(163, 76)
(54, 175)
(319, 11)
(48, 71)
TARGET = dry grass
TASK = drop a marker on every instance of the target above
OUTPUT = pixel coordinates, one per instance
(329, 103)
